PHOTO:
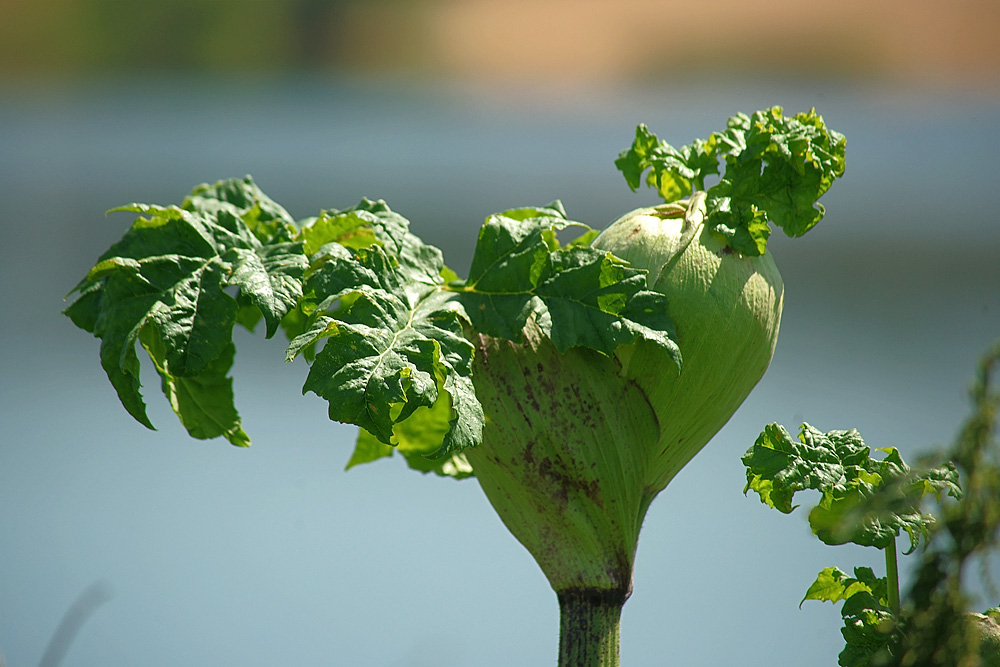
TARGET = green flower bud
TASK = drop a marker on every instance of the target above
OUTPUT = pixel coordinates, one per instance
(726, 309)
(576, 445)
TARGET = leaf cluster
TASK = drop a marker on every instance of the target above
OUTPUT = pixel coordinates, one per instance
(863, 500)
(386, 327)
(776, 167)
(869, 502)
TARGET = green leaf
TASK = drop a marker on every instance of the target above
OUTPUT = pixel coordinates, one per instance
(418, 439)
(390, 318)
(869, 625)
(203, 402)
(833, 585)
(776, 169)
(394, 358)
(267, 219)
(392, 337)
(869, 632)
(778, 465)
(147, 283)
(418, 262)
(254, 235)
(673, 173)
(351, 229)
(838, 465)
(552, 210)
(876, 517)
(165, 283)
(578, 295)
(269, 277)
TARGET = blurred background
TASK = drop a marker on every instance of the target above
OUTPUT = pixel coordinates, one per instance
(202, 554)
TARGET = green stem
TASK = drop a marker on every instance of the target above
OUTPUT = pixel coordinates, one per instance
(892, 577)
(589, 624)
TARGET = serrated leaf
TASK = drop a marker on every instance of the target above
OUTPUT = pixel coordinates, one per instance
(553, 210)
(778, 466)
(633, 161)
(179, 297)
(267, 219)
(351, 229)
(392, 339)
(833, 585)
(418, 439)
(418, 262)
(876, 517)
(165, 282)
(869, 624)
(862, 500)
(777, 167)
(269, 277)
(203, 402)
(845, 519)
(388, 314)
(869, 629)
(578, 295)
(673, 173)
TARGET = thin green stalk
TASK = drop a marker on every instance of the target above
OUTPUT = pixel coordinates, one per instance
(892, 577)
(589, 623)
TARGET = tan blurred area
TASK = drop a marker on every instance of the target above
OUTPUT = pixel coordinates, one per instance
(557, 42)
(581, 39)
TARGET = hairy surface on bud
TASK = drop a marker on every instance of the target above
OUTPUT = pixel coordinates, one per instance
(726, 309)
(563, 458)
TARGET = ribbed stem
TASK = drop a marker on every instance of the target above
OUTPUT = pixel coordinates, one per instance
(589, 624)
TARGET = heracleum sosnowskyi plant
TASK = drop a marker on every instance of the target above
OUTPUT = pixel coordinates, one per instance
(573, 380)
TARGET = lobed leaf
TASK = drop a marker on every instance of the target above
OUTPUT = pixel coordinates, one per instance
(868, 621)
(778, 466)
(673, 173)
(833, 585)
(417, 440)
(164, 284)
(578, 295)
(838, 465)
(393, 339)
(267, 219)
(351, 230)
(869, 632)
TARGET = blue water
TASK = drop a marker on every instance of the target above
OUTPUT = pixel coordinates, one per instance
(274, 555)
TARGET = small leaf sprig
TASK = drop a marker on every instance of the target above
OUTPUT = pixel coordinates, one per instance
(776, 168)
(864, 501)
(839, 465)
(868, 503)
